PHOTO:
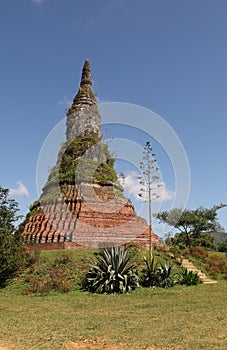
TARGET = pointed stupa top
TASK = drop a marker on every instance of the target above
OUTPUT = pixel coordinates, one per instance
(85, 95)
(86, 74)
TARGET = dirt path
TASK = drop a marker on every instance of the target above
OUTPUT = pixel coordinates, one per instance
(85, 345)
(3, 347)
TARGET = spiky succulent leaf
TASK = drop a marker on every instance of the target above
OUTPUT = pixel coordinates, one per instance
(165, 275)
(188, 278)
(156, 274)
(112, 272)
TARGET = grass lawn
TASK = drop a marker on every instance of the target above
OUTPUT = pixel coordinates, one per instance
(176, 318)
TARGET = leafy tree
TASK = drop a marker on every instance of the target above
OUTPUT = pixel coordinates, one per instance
(8, 212)
(194, 226)
(149, 185)
(10, 245)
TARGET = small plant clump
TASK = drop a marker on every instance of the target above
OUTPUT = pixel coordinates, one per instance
(188, 278)
(156, 274)
(113, 271)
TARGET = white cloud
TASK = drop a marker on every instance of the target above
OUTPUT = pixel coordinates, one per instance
(132, 187)
(21, 190)
(164, 193)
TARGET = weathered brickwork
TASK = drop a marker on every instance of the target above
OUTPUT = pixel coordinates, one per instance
(88, 215)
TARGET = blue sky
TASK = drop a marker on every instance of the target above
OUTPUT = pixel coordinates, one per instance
(167, 56)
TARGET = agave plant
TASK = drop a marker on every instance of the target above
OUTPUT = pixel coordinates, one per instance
(156, 274)
(112, 272)
(165, 275)
(188, 278)
(150, 272)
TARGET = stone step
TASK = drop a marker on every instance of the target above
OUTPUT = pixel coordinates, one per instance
(191, 267)
(209, 282)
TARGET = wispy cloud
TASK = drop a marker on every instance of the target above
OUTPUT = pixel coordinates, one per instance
(132, 187)
(21, 190)
(38, 2)
(102, 100)
(65, 102)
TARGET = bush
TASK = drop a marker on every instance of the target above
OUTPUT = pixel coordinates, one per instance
(222, 247)
(216, 265)
(12, 258)
(188, 278)
(199, 253)
(186, 253)
(113, 271)
(43, 277)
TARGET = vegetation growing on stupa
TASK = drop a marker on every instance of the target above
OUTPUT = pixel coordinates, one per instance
(86, 160)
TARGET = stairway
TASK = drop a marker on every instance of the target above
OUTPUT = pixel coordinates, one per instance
(190, 267)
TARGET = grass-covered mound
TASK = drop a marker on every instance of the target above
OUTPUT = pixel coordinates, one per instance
(63, 271)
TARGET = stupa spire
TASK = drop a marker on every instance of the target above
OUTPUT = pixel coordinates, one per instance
(85, 94)
(86, 74)
(83, 117)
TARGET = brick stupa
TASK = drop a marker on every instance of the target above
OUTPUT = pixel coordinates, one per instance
(82, 203)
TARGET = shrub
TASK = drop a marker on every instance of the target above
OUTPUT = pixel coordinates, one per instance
(43, 277)
(186, 253)
(222, 247)
(188, 278)
(112, 272)
(216, 265)
(12, 258)
(199, 253)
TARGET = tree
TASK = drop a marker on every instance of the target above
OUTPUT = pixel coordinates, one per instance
(10, 245)
(194, 226)
(149, 185)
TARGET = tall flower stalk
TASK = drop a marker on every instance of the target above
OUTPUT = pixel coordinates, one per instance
(149, 184)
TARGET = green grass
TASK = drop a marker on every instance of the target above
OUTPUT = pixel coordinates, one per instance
(182, 317)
